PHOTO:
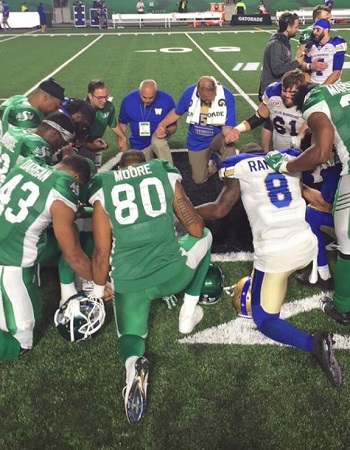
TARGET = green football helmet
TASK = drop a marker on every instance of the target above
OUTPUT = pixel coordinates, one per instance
(213, 286)
(80, 317)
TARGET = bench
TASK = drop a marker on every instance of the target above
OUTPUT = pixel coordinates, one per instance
(305, 15)
(120, 20)
(206, 17)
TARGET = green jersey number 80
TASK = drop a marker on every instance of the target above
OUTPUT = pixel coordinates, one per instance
(152, 195)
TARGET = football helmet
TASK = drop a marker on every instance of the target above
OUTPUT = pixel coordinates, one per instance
(241, 297)
(79, 317)
(213, 286)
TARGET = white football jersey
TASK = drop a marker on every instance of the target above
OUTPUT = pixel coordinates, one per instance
(332, 52)
(282, 239)
(286, 121)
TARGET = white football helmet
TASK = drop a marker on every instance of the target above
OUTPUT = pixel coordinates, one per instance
(80, 317)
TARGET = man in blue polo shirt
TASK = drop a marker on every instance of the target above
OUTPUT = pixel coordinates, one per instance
(142, 110)
(211, 116)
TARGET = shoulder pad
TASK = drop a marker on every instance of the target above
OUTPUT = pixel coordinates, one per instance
(273, 89)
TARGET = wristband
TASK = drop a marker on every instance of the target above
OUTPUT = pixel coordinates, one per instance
(308, 66)
(240, 127)
(283, 167)
(98, 290)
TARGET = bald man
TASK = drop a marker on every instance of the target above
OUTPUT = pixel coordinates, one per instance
(142, 110)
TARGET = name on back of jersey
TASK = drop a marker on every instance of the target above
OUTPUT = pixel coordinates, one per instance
(132, 172)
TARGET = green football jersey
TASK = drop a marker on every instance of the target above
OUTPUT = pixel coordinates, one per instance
(25, 202)
(18, 112)
(105, 117)
(305, 35)
(138, 200)
(334, 101)
(17, 144)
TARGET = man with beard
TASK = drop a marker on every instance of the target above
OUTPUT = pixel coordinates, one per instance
(306, 35)
(277, 105)
(327, 49)
(277, 61)
(326, 110)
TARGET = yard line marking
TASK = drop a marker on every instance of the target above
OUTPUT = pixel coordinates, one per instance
(242, 331)
(64, 64)
(252, 66)
(224, 74)
(232, 257)
(237, 67)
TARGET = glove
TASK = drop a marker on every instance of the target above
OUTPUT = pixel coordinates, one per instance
(277, 161)
(171, 301)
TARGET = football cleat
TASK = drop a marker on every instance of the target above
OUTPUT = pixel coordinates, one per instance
(325, 285)
(135, 391)
(79, 317)
(328, 308)
(187, 321)
(213, 286)
(241, 297)
(170, 300)
(323, 353)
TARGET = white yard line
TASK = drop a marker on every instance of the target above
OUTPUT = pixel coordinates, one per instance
(64, 64)
(224, 74)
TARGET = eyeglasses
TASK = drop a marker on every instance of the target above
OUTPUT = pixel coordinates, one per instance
(101, 97)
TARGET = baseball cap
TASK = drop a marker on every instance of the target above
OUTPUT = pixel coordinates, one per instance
(50, 86)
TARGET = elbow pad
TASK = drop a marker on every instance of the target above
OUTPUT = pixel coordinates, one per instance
(255, 120)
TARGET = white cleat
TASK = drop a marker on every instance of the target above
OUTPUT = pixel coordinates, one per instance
(188, 321)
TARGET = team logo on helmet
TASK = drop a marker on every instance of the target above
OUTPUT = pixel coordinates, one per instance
(241, 297)
(79, 317)
(213, 286)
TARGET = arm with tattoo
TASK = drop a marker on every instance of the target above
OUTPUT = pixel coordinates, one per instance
(185, 212)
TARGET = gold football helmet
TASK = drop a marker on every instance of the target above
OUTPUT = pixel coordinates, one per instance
(241, 297)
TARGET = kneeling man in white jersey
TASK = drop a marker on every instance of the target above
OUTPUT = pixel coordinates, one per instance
(283, 243)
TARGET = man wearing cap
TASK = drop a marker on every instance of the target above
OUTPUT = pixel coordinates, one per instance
(54, 132)
(27, 112)
(327, 49)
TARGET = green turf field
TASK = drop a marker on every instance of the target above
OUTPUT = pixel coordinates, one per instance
(223, 387)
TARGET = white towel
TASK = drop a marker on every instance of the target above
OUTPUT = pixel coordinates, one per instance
(217, 110)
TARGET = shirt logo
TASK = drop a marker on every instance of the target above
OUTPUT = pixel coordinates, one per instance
(24, 115)
(74, 187)
(158, 111)
(41, 152)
